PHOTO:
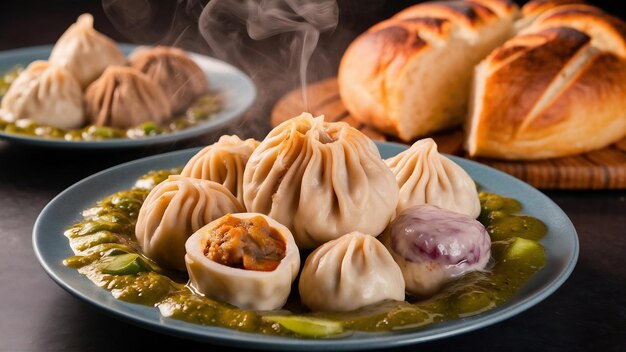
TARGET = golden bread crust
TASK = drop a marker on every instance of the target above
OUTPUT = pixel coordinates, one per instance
(555, 90)
(374, 69)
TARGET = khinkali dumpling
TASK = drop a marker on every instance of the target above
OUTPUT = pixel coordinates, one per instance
(427, 177)
(248, 260)
(124, 97)
(182, 80)
(433, 246)
(47, 94)
(223, 162)
(175, 209)
(348, 273)
(85, 52)
(321, 180)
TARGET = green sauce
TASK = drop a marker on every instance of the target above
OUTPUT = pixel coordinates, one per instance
(203, 109)
(104, 243)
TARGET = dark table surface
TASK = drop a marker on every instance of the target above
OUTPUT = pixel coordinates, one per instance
(587, 313)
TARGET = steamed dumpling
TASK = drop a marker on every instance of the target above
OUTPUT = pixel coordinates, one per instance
(85, 52)
(124, 97)
(223, 162)
(348, 273)
(182, 80)
(47, 94)
(433, 246)
(321, 180)
(248, 260)
(175, 209)
(427, 177)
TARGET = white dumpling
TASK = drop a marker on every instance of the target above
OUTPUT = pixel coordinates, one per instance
(124, 97)
(85, 52)
(432, 246)
(427, 177)
(226, 263)
(174, 210)
(348, 273)
(223, 162)
(321, 180)
(47, 94)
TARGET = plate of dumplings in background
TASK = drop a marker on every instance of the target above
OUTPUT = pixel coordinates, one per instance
(126, 96)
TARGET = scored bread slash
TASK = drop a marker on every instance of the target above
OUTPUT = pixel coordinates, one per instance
(409, 76)
(307, 326)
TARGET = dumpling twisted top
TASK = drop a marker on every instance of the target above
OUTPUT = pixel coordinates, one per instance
(47, 94)
(124, 97)
(321, 180)
(223, 162)
(427, 177)
(85, 52)
(174, 210)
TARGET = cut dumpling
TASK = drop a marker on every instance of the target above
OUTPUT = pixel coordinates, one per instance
(182, 80)
(223, 162)
(348, 273)
(47, 94)
(427, 177)
(321, 180)
(175, 209)
(433, 246)
(248, 260)
(85, 52)
(124, 97)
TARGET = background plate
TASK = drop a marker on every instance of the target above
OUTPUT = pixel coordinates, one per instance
(235, 87)
(51, 247)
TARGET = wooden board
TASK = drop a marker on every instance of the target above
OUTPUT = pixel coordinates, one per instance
(601, 169)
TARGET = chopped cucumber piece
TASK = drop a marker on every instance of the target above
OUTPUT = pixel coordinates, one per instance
(126, 264)
(307, 326)
(521, 247)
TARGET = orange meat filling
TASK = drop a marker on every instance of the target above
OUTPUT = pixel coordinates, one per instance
(250, 244)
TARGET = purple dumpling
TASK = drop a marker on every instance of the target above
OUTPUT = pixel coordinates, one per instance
(433, 245)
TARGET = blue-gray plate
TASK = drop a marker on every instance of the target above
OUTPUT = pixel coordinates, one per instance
(235, 87)
(52, 247)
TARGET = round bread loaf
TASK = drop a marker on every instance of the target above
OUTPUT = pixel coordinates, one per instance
(556, 89)
(410, 75)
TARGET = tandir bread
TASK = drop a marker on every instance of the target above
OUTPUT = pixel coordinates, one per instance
(410, 75)
(556, 89)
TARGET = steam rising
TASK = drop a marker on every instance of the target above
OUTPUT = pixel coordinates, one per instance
(273, 40)
(305, 20)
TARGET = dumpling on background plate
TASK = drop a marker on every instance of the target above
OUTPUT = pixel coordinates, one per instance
(124, 97)
(85, 52)
(223, 162)
(248, 260)
(47, 94)
(427, 177)
(321, 180)
(348, 273)
(174, 210)
(182, 80)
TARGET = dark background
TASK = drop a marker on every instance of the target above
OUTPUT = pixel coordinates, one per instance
(587, 313)
(173, 22)
(38, 22)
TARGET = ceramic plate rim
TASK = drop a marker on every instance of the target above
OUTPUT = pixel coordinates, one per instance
(359, 341)
(221, 119)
